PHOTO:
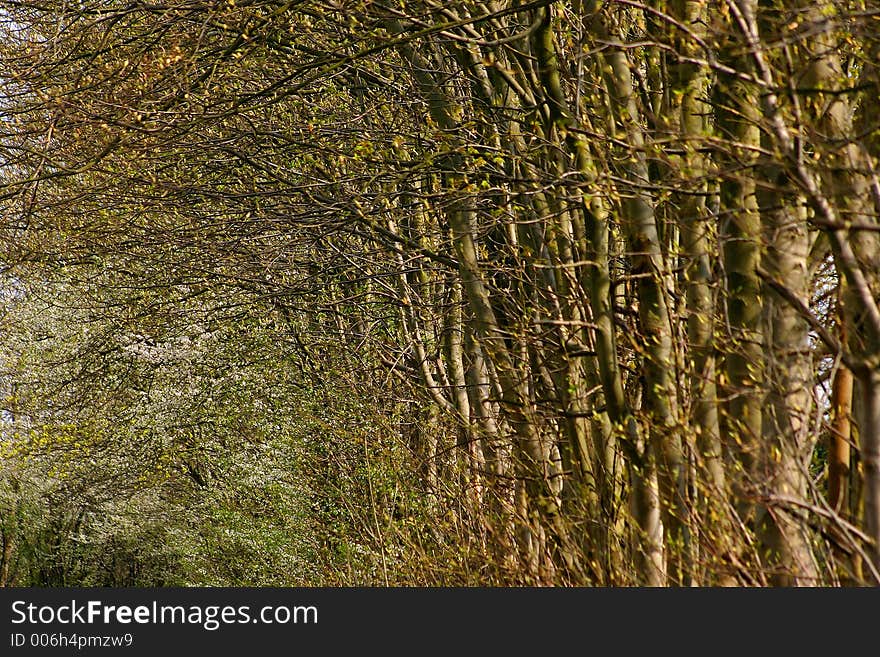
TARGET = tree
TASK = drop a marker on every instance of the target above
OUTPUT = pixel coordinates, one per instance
(580, 253)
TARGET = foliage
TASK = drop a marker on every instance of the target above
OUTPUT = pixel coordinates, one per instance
(440, 293)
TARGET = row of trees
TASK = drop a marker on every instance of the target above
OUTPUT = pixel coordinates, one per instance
(483, 292)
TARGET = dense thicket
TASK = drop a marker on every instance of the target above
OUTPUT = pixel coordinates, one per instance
(440, 292)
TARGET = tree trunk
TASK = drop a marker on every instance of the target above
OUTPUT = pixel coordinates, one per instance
(737, 114)
(698, 246)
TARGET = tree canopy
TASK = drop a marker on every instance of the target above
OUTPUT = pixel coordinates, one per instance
(503, 292)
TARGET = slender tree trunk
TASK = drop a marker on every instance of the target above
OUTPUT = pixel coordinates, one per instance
(698, 246)
(453, 339)
(870, 459)
(866, 320)
(737, 114)
(787, 440)
(8, 545)
(840, 440)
